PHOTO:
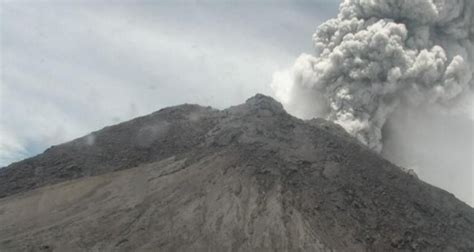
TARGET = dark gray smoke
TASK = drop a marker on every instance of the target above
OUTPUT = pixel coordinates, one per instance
(378, 56)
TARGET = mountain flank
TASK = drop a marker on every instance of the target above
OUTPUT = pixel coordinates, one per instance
(247, 178)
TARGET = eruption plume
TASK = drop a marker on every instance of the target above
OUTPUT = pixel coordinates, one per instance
(378, 55)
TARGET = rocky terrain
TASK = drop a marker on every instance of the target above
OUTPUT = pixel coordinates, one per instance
(247, 178)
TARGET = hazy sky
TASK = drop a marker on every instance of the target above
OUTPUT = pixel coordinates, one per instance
(74, 66)
(71, 67)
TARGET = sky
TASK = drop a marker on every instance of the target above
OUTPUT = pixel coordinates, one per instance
(72, 67)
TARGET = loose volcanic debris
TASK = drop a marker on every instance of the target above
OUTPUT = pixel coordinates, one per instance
(247, 178)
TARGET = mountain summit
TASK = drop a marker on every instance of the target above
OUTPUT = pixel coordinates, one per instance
(247, 178)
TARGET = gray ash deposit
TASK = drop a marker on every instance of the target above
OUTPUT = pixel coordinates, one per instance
(247, 178)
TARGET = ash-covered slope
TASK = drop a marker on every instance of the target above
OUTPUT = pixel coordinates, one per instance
(248, 178)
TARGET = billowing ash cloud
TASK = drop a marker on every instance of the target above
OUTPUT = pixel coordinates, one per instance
(378, 55)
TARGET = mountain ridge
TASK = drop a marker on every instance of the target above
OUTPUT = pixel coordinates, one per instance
(250, 177)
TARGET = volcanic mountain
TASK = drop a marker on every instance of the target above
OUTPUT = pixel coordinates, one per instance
(247, 178)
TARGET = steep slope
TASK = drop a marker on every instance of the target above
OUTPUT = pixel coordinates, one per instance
(248, 178)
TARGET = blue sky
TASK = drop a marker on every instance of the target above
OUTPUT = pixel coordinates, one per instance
(71, 67)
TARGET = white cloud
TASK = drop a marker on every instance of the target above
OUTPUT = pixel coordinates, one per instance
(70, 67)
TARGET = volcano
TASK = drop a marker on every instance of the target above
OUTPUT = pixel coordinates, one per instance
(247, 178)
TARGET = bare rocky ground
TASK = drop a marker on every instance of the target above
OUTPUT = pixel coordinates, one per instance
(247, 178)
